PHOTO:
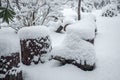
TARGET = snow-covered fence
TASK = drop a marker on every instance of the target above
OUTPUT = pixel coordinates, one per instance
(35, 42)
(9, 54)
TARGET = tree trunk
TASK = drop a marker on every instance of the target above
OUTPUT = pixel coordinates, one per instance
(0, 3)
(33, 18)
(79, 6)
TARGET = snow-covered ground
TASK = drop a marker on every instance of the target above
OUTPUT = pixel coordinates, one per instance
(107, 52)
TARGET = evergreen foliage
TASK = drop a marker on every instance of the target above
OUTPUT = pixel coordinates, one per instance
(6, 14)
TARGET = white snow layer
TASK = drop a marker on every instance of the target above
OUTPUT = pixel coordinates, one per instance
(107, 44)
(9, 42)
(69, 16)
(80, 52)
(89, 16)
(73, 47)
(69, 12)
(33, 32)
(53, 26)
(68, 20)
(85, 28)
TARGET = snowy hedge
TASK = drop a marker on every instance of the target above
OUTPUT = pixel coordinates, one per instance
(111, 10)
(85, 29)
(14, 74)
(74, 50)
(35, 41)
(9, 51)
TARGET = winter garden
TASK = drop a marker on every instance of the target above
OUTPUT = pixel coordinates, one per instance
(59, 39)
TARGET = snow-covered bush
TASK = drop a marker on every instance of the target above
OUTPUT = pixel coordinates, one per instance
(37, 12)
(67, 21)
(86, 29)
(91, 19)
(77, 52)
(14, 74)
(35, 41)
(69, 17)
(110, 10)
(53, 26)
(74, 50)
(9, 50)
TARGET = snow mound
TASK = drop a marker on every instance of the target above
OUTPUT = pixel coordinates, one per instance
(75, 48)
(79, 51)
(90, 17)
(53, 26)
(9, 42)
(33, 32)
(69, 12)
(69, 16)
(6, 31)
(84, 29)
(68, 20)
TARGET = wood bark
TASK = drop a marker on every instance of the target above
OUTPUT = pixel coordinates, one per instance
(79, 9)
(0, 3)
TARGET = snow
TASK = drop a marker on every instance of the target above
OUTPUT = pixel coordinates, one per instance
(33, 32)
(107, 53)
(14, 71)
(89, 16)
(73, 47)
(6, 31)
(110, 10)
(69, 12)
(57, 38)
(68, 20)
(106, 46)
(86, 14)
(80, 52)
(53, 26)
(2, 75)
(69, 16)
(80, 28)
(36, 58)
(9, 41)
